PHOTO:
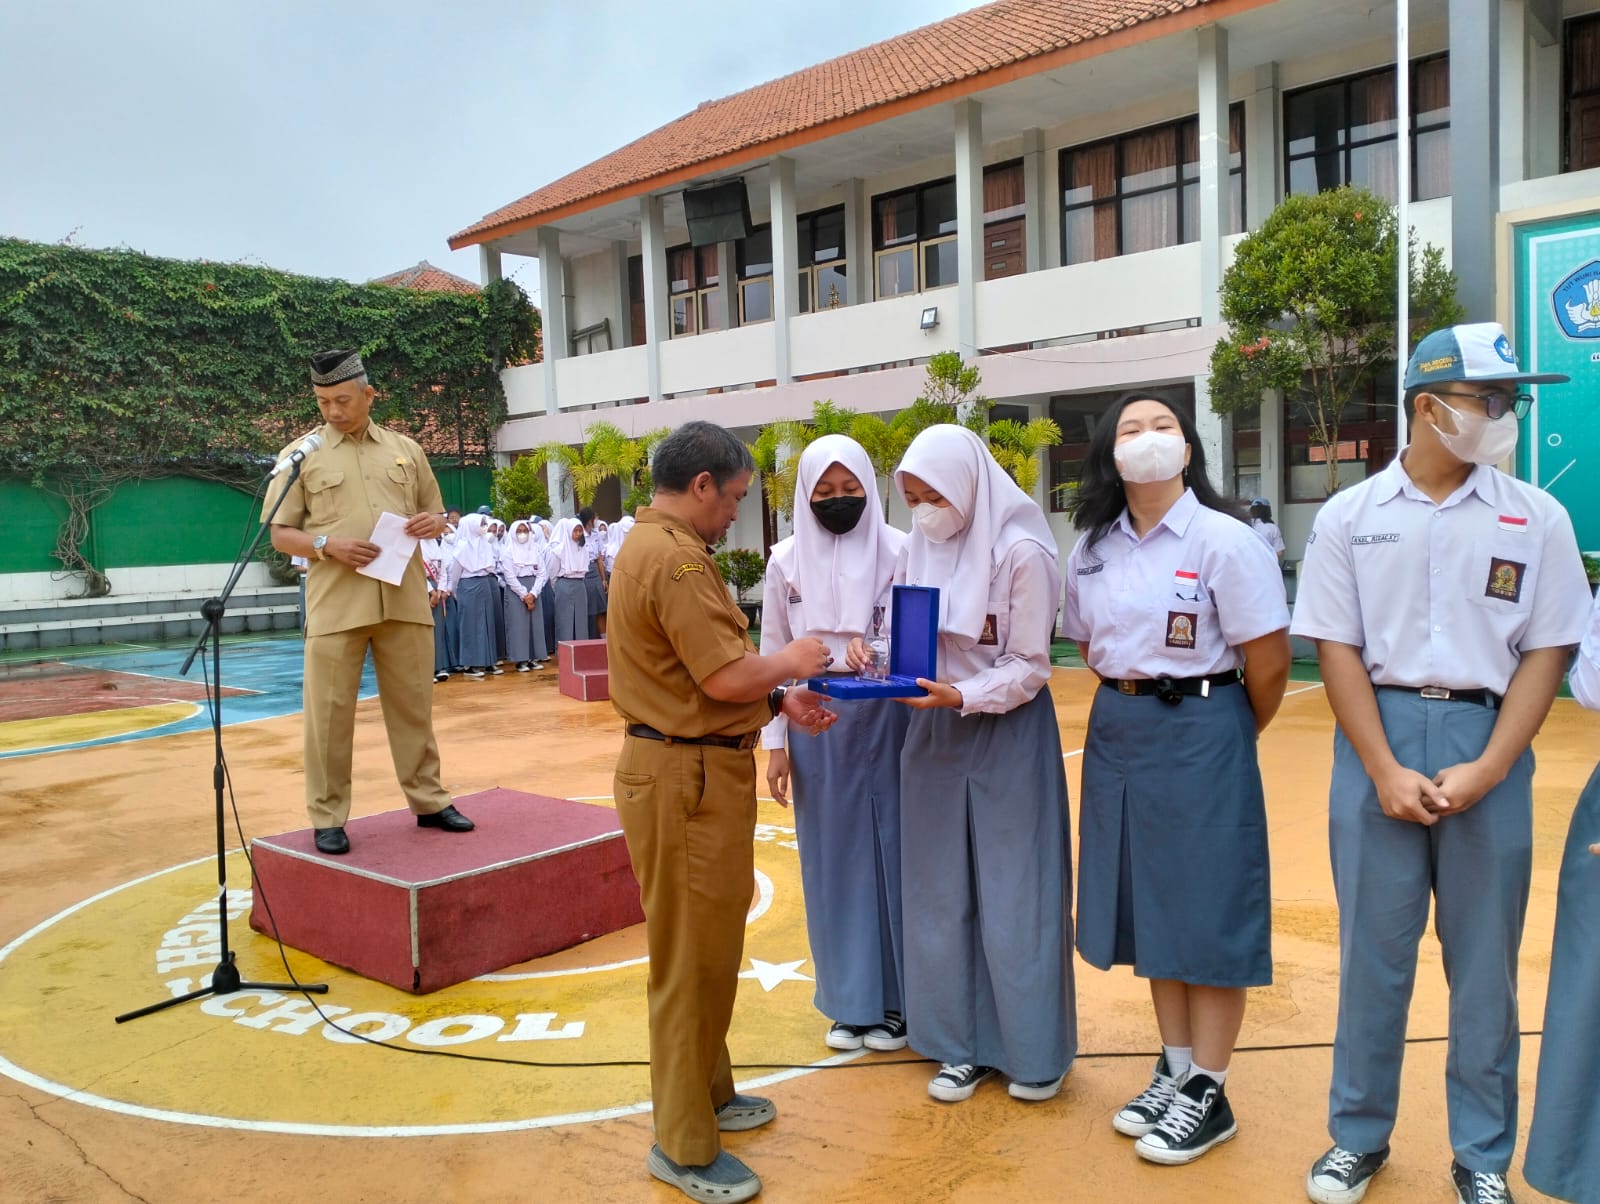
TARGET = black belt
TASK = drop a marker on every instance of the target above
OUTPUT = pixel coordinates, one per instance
(1484, 698)
(1172, 689)
(743, 743)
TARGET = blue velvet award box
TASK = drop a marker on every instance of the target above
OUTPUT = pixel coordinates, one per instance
(913, 651)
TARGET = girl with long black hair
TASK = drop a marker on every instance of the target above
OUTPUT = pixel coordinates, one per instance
(1169, 594)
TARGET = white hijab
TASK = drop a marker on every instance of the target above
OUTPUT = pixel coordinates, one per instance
(839, 577)
(568, 558)
(523, 558)
(998, 516)
(474, 553)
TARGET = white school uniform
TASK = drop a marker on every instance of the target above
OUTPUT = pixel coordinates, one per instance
(1150, 607)
(1270, 534)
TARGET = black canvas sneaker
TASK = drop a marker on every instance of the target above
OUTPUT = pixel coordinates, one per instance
(1342, 1176)
(888, 1034)
(846, 1036)
(1479, 1187)
(957, 1081)
(1140, 1114)
(1198, 1118)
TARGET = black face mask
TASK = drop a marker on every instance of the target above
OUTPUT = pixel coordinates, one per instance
(839, 515)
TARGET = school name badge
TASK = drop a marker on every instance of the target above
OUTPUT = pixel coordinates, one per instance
(1576, 301)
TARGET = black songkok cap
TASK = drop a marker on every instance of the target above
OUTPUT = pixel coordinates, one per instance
(335, 367)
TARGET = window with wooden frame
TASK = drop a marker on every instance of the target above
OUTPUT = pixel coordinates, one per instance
(914, 230)
(822, 258)
(1345, 132)
(1141, 191)
(1581, 69)
(753, 262)
(694, 293)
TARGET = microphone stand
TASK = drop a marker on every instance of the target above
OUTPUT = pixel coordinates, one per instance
(225, 978)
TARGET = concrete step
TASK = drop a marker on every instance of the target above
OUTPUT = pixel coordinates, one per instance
(114, 606)
(142, 628)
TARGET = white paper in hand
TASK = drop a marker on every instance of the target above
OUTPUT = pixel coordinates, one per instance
(397, 549)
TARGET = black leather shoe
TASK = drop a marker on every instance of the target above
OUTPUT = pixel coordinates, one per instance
(332, 840)
(449, 819)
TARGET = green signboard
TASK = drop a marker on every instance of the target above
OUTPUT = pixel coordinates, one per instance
(1557, 278)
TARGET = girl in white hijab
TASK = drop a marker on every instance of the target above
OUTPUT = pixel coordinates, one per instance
(523, 572)
(473, 581)
(831, 579)
(985, 845)
(570, 565)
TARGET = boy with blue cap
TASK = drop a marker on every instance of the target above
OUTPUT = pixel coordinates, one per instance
(1445, 598)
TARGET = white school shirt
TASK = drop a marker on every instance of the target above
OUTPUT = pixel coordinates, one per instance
(1270, 533)
(1445, 595)
(781, 609)
(1585, 676)
(1177, 603)
(508, 573)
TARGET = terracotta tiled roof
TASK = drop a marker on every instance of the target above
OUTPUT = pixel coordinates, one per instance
(1012, 36)
(426, 278)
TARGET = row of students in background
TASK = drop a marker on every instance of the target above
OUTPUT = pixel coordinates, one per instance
(496, 593)
(934, 840)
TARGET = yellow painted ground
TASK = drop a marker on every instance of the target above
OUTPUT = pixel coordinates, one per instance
(96, 819)
(56, 730)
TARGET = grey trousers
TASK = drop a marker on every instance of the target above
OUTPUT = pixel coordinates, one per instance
(1476, 868)
(572, 609)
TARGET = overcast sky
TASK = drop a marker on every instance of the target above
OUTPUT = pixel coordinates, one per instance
(351, 138)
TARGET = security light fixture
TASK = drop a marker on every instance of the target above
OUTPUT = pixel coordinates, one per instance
(930, 317)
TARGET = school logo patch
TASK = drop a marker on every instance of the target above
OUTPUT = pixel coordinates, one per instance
(1181, 628)
(691, 567)
(1576, 301)
(1505, 580)
(988, 635)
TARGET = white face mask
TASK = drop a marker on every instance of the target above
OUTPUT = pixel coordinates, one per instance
(1479, 439)
(937, 523)
(522, 537)
(1149, 457)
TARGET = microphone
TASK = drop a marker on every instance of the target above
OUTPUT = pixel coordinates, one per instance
(305, 447)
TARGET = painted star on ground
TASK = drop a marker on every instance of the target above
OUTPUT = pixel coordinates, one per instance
(770, 974)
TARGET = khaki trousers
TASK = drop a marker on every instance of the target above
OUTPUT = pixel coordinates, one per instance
(688, 812)
(402, 653)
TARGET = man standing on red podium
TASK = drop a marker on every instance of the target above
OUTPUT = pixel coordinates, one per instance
(360, 471)
(695, 694)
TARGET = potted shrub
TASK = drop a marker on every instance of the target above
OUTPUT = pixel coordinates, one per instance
(743, 569)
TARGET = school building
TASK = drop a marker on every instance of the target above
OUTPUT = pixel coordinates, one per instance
(1054, 188)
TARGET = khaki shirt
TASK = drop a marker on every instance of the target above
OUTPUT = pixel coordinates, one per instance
(342, 489)
(670, 624)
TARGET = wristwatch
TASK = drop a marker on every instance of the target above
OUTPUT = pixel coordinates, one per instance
(319, 545)
(775, 700)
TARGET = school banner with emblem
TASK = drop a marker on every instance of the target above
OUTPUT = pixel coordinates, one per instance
(1557, 280)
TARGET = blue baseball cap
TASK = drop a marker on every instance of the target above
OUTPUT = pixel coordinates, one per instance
(1476, 351)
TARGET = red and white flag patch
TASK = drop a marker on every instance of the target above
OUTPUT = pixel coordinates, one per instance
(1510, 522)
(1183, 579)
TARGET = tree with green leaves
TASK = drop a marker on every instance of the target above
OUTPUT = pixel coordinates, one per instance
(1311, 307)
(1016, 447)
(117, 366)
(606, 453)
(519, 491)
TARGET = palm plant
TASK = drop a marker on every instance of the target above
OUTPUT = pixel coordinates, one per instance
(605, 453)
(1016, 447)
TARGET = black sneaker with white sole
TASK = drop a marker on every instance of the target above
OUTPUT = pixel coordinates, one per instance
(1479, 1187)
(1198, 1118)
(888, 1034)
(846, 1036)
(1342, 1176)
(957, 1081)
(1140, 1114)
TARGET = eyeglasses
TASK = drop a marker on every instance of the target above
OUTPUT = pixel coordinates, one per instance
(1497, 405)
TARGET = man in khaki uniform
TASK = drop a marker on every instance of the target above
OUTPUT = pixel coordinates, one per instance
(360, 471)
(695, 694)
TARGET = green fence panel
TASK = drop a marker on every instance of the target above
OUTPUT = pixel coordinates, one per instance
(31, 518)
(170, 520)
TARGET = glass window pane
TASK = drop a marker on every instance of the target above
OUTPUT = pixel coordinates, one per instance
(1372, 106)
(1432, 164)
(894, 220)
(803, 241)
(1317, 173)
(1091, 234)
(1374, 167)
(1191, 212)
(683, 314)
(680, 269)
(1189, 148)
(1003, 187)
(1149, 222)
(1314, 119)
(755, 299)
(803, 285)
(828, 236)
(939, 264)
(1430, 92)
(755, 254)
(938, 210)
(897, 272)
(831, 292)
(1236, 202)
(707, 261)
(712, 316)
(1091, 174)
(1150, 159)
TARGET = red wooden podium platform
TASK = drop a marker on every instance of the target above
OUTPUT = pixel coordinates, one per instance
(582, 670)
(422, 909)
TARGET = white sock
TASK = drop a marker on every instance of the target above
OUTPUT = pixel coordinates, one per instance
(1218, 1077)
(1179, 1059)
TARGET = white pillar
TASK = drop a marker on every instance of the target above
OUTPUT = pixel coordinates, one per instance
(1513, 91)
(1033, 197)
(657, 320)
(1272, 406)
(1263, 167)
(857, 242)
(1215, 432)
(619, 310)
(488, 264)
(969, 223)
(785, 264)
(552, 311)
